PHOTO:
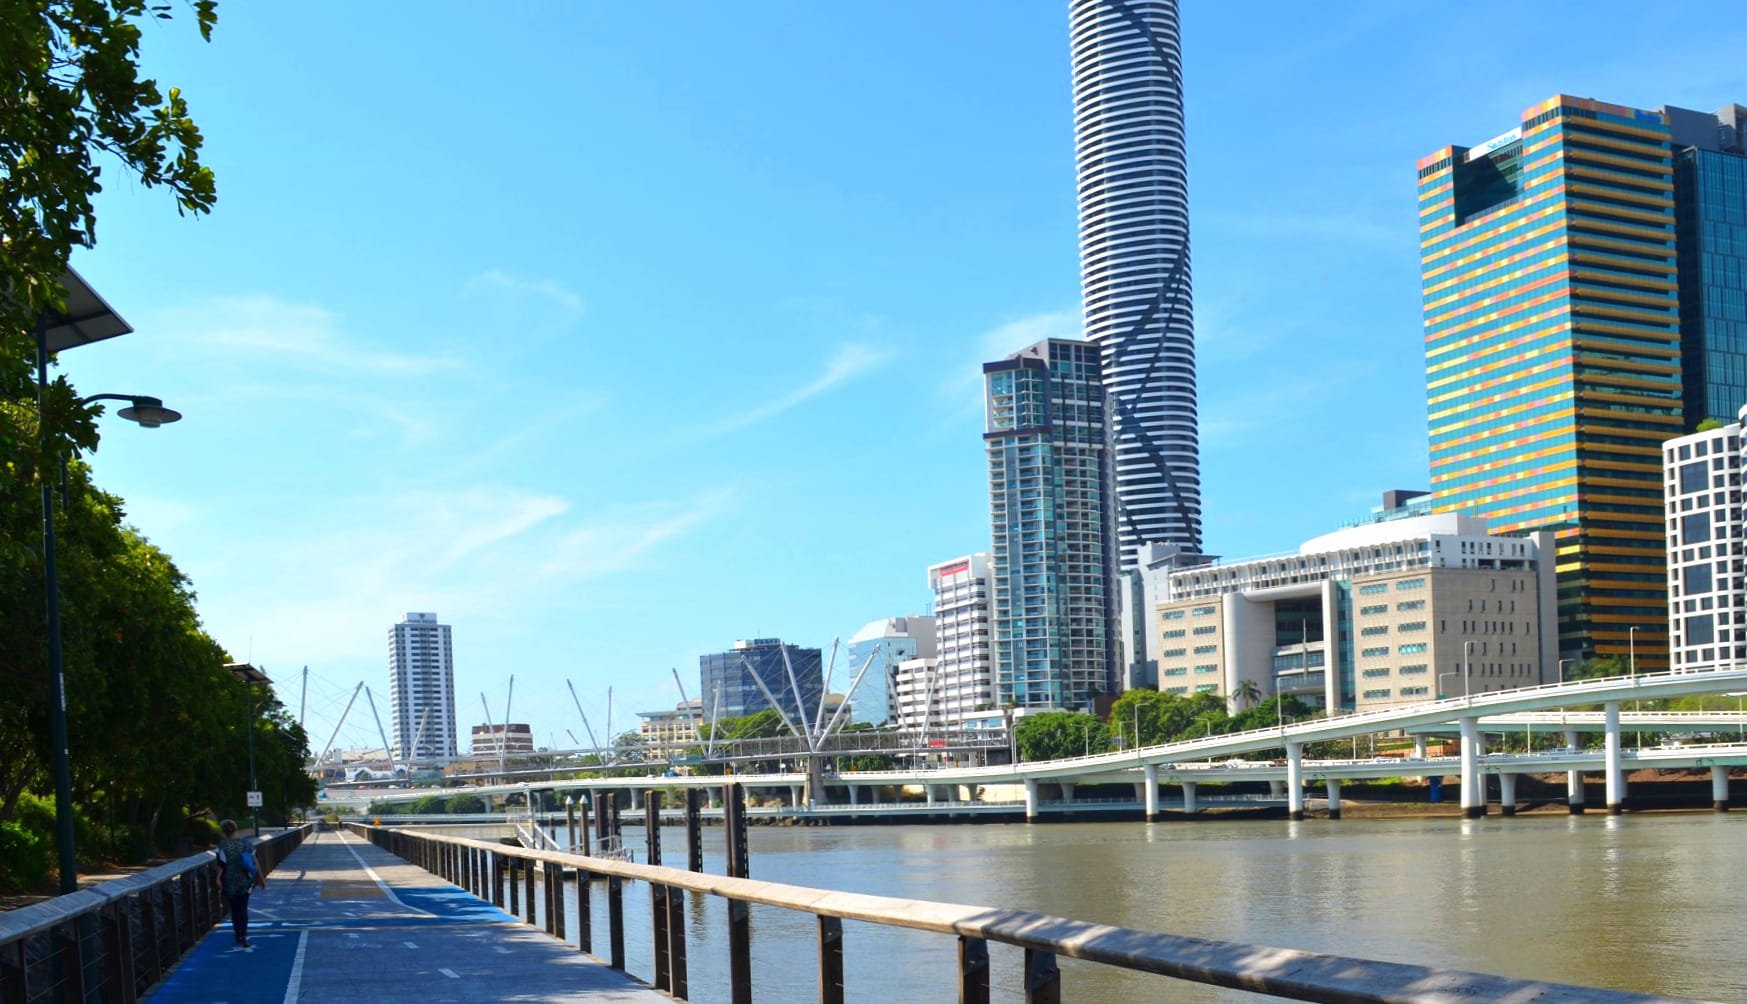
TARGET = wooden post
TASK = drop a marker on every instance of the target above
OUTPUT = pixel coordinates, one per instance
(515, 884)
(582, 826)
(830, 960)
(528, 888)
(973, 970)
(154, 965)
(657, 890)
(497, 872)
(694, 829)
(734, 818)
(676, 900)
(584, 923)
(118, 954)
(556, 872)
(616, 922)
(1043, 980)
(739, 952)
(72, 960)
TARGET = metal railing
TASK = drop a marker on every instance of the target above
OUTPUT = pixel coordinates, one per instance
(114, 941)
(481, 868)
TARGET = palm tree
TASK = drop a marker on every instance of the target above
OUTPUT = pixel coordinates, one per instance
(1249, 693)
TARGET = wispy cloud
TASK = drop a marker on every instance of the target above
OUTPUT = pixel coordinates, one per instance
(496, 280)
(294, 335)
(963, 391)
(851, 361)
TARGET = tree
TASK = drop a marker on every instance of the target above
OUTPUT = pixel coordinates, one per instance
(1249, 694)
(73, 94)
(1057, 735)
(1709, 425)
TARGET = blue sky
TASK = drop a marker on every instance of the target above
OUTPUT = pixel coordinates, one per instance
(614, 333)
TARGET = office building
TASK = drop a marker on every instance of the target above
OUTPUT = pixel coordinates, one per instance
(916, 695)
(421, 687)
(1049, 515)
(965, 667)
(502, 740)
(1553, 352)
(1710, 212)
(1371, 616)
(674, 733)
(879, 647)
(761, 674)
(1139, 590)
(1707, 595)
(1134, 262)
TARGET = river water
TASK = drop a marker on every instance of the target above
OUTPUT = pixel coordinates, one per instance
(1650, 903)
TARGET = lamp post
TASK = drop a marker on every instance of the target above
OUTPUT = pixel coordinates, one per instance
(251, 676)
(1562, 663)
(1632, 668)
(85, 319)
(1467, 687)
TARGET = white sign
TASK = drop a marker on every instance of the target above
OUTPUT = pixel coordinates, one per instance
(254, 800)
(1493, 144)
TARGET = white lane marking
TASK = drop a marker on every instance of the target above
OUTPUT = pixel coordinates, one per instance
(386, 891)
(449, 973)
(409, 944)
(292, 986)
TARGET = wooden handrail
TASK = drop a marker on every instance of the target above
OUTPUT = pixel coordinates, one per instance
(1280, 972)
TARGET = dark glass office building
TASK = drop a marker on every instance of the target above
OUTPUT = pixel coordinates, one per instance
(731, 681)
(1710, 206)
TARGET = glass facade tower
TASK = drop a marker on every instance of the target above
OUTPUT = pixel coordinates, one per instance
(1049, 509)
(1553, 352)
(1710, 206)
(1134, 262)
(729, 690)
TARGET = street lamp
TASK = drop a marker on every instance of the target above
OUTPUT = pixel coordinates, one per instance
(251, 676)
(1632, 668)
(1562, 663)
(85, 319)
(1467, 688)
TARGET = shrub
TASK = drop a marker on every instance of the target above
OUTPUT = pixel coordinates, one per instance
(25, 857)
(202, 831)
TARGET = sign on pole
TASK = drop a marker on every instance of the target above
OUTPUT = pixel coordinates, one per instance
(254, 800)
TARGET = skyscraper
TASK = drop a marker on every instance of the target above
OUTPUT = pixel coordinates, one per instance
(421, 678)
(886, 642)
(965, 669)
(1049, 514)
(1134, 262)
(1553, 352)
(1710, 212)
(730, 689)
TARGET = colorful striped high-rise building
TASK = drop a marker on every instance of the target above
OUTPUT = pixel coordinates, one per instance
(1553, 352)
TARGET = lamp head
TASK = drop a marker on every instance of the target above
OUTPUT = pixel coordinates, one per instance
(149, 412)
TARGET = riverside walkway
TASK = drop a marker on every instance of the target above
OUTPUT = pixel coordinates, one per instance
(344, 920)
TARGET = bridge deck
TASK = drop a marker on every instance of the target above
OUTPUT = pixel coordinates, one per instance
(344, 920)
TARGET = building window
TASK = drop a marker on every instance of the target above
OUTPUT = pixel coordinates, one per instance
(1406, 584)
(1374, 588)
(1379, 608)
(1375, 653)
(1406, 626)
(1204, 611)
(1375, 629)
(1173, 615)
(1410, 605)
(1378, 695)
(1415, 648)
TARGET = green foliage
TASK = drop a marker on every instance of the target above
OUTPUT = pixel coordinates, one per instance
(766, 724)
(26, 856)
(1056, 735)
(1709, 425)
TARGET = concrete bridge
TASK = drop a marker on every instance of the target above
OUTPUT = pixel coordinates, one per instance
(1211, 759)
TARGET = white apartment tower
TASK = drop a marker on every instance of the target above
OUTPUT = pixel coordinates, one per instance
(1707, 601)
(964, 669)
(1134, 263)
(421, 684)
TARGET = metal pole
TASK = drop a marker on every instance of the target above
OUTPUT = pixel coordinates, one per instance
(254, 785)
(63, 763)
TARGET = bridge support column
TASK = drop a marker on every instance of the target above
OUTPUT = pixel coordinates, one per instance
(1031, 800)
(1295, 781)
(1720, 788)
(1151, 795)
(795, 792)
(1473, 807)
(1419, 747)
(1334, 798)
(1616, 783)
(1188, 798)
(1573, 779)
(1507, 793)
(854, 794)
(1067, 791)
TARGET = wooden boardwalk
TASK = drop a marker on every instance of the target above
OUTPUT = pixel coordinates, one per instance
(344, 920)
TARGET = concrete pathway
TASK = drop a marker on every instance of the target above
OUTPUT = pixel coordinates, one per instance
(343, 920)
